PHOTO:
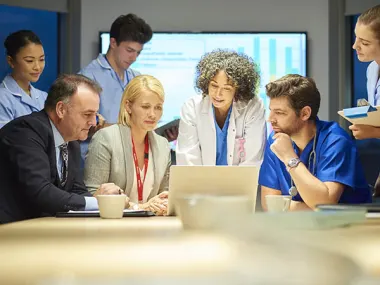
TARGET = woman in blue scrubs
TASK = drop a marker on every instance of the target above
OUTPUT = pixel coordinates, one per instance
(367, 46)
(26, 57)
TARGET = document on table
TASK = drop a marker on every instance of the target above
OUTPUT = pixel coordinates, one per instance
(97, 211)
(84, 214)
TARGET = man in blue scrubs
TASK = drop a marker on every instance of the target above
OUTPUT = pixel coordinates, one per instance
(313, 160)
(112, 71)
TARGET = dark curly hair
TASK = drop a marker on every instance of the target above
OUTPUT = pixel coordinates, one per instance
(240, 69)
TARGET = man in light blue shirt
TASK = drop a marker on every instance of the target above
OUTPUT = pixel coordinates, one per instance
(112, 71)
(113, 86)
(40, 155)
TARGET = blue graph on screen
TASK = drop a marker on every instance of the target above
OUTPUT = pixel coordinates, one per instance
(172, 57)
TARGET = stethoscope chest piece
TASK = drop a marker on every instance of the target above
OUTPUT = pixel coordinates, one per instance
(312, 158)
(293, 191)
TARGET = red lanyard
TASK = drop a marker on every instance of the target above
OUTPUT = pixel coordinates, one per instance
(140, 184)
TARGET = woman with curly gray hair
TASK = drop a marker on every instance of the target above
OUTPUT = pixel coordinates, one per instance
(226, 125)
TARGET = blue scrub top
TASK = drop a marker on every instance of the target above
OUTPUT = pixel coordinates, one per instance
(101, 71)
(336, 161)
(15, 102)
(373, 84)
(221, 139)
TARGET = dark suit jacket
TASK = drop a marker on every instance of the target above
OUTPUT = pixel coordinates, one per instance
(29, 181)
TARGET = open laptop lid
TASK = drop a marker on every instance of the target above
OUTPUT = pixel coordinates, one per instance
(211, 180)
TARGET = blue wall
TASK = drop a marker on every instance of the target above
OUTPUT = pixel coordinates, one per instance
(45, 25)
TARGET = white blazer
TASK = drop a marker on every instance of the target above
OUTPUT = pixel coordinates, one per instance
(196, 144)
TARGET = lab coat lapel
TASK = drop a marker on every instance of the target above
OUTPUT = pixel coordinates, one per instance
(209, 137)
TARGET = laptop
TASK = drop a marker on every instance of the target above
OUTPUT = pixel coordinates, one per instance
(212, 180)
(368, 207)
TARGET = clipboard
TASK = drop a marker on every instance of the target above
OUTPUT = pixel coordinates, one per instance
(95, 214)
(161, 130)
(366, 115)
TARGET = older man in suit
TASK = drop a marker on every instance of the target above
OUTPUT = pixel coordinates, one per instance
(40, 155)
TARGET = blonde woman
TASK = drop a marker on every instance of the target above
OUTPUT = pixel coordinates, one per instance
(367, 46)
(129, 153)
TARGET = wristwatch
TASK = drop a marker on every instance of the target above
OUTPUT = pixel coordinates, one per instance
(293, 163)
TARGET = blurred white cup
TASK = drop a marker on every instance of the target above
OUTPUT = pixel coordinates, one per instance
(111, 206)
(278, 203)
(210, 212)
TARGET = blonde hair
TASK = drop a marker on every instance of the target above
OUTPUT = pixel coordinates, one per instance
(371, 18)
(133, 91)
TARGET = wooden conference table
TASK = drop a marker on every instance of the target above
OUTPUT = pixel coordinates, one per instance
(41, 250)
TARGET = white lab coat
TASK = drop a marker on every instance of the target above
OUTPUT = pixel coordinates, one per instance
(196, 144)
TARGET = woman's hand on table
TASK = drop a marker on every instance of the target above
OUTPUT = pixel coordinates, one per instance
(158, 204)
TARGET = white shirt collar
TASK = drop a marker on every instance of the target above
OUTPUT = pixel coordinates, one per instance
(103, 62)
(58, 139)
(15, 89)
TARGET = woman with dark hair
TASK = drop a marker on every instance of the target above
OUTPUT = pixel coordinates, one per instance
(226, 125)
(26, 57)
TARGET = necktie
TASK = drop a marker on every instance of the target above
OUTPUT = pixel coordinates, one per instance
(65, 163)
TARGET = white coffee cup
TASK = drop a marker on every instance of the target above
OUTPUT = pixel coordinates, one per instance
(111, 206)
(210, 212)
(278, 203)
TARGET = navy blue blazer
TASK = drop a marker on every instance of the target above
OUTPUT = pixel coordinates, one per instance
(29, 181)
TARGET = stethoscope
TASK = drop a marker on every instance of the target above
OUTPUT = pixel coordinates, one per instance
(312, 156)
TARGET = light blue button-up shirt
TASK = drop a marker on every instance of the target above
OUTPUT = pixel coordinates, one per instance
(15, 102)
(101, 71)
(221, 139)
(373, 84)
(91, 202)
